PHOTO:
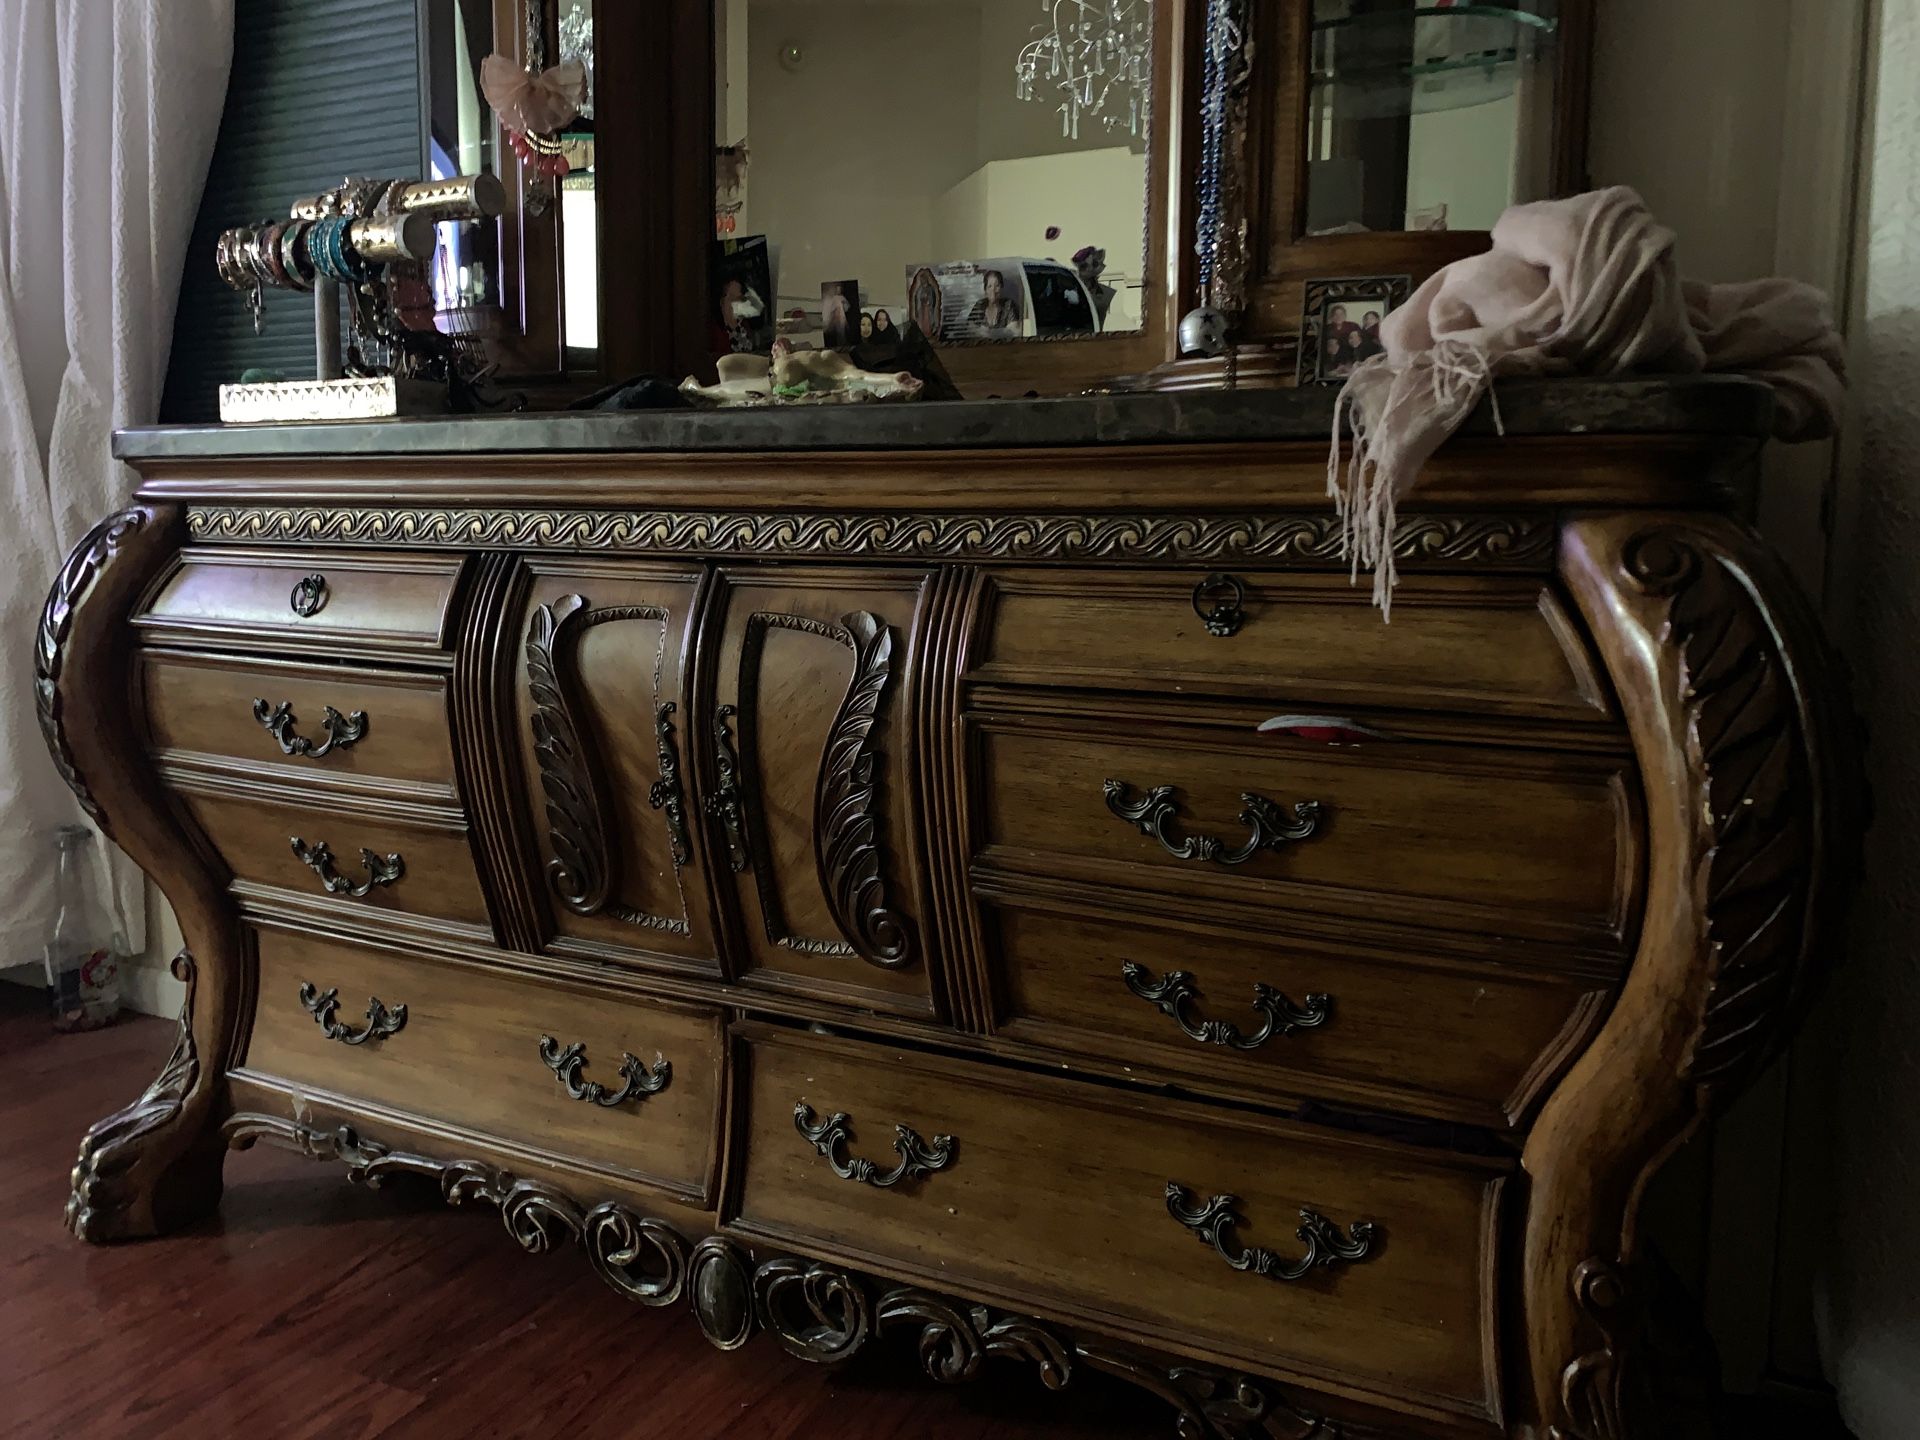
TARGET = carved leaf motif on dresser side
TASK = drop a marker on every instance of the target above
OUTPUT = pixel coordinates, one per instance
(584, 841)
(848, 854)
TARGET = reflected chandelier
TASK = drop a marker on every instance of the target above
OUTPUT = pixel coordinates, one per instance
(1093, 56)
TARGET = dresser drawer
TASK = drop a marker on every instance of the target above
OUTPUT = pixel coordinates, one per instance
(1493, 842)
(309, 598)
(536, 1064)
(1286, 1016)
(1058, 1196)
(302, 721)
(1492, 646)
(433, 875)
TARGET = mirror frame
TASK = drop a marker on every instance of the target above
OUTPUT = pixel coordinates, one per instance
(1282, 257)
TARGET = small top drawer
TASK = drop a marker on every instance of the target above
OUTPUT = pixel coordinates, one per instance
(308, 599)
(1498, 645)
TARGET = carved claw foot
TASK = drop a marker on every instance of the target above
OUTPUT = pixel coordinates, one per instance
(144, 1171)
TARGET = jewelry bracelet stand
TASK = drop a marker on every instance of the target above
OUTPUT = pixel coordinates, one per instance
(375, 237)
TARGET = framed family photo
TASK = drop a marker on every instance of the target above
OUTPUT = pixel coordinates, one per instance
(1340, 324)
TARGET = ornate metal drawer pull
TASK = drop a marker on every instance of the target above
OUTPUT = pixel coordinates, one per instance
(567, 1062)
(309, 597)
(319, 859)
(1212, 1224)
(1152, 813)
(323, 1005)
(1173, 993)
(1220, 594)
(917, 1157)
(341, 730)
(665, 793)
(724, 804)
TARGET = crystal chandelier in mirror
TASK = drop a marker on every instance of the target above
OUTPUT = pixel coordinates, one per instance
(1093, 56)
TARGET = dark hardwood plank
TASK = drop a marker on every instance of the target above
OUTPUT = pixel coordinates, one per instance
(351, 1313)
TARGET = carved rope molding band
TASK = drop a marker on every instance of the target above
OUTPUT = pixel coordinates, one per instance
(818, 1313)
(1494, 541)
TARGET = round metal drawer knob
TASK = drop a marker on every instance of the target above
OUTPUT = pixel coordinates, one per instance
(309, 596)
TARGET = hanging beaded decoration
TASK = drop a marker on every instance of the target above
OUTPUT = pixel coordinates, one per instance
(1223, 74)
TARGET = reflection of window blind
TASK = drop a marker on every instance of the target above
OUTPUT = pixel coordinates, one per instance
(320, 90)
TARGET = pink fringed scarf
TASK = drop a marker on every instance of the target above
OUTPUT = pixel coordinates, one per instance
(1586, 286)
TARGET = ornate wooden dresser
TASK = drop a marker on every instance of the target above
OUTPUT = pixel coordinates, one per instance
(984, 871)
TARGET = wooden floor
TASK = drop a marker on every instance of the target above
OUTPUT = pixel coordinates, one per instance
(314, 1308)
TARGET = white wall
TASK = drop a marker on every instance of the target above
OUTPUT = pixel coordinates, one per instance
(856, 155)
(1872, 1320)
(1096, 197)
(1463, 159)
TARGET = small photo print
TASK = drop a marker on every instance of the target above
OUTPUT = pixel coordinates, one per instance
(742, 295)
(1340, 324)
(840, 316)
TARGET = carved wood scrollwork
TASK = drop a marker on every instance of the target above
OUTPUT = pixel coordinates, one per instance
(1751, 771)
(89, 558)
(586, 856)
(846, 830)
(819, 1313)
(98, 1204)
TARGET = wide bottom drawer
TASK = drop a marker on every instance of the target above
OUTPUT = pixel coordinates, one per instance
(537, 1064)
(1357, 1265)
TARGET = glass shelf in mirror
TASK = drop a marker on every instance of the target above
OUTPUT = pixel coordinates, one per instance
(978, 167)
(1428, 115)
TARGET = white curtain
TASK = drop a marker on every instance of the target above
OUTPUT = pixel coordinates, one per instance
(108, 113)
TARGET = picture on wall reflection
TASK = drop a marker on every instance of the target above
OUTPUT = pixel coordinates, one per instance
(1340, 324)
(840, 317)
(1009, 298)
(742, 282)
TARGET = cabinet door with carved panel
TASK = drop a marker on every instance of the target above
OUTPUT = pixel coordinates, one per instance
(604, 736)
(811, 740)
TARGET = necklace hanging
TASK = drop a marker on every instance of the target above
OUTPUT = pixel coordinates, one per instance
(1218, 228)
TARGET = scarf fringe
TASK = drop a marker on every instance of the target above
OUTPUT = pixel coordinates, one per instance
(1392, 407)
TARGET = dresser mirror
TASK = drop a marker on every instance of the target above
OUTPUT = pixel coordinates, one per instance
(1425, 116)
(978, 167)
(999, 172)
(530, 283)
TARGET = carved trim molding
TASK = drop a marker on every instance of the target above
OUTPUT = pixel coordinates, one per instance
(98, 1206)
(817, 1312)
(1475, 540)
(69, 587)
